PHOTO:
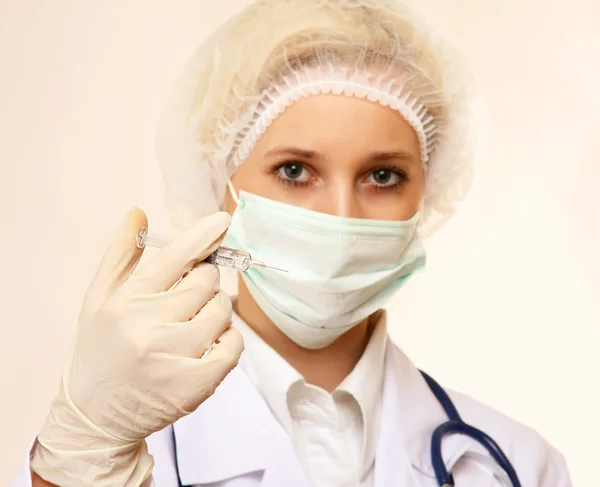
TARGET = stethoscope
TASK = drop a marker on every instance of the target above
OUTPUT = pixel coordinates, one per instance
(455, 425)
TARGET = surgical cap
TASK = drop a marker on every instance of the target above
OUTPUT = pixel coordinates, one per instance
(276, 52)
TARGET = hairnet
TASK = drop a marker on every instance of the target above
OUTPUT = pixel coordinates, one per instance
(277, 51)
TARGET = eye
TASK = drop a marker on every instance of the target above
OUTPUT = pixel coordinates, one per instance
(293, 173)
(385, 177)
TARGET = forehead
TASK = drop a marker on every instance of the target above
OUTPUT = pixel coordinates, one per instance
(327, 119)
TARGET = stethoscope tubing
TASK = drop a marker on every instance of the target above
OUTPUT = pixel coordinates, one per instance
(456, 425)
(460, 427)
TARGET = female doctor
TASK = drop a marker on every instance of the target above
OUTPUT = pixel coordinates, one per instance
(335, 133)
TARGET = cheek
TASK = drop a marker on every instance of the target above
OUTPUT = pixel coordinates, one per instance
(249, 177)
(414, 195)
(396, 206)
(254, 176)
(397, 209)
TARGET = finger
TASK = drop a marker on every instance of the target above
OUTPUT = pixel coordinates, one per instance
(182, 303)
(198, 379)
(180, 255)
(224, 354)
(193, 338)
(119, 261)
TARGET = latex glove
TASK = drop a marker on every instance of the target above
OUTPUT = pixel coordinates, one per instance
(138, 362)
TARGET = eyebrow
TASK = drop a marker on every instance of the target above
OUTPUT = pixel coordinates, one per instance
(294, 151)
(377, 156)
(382, 156)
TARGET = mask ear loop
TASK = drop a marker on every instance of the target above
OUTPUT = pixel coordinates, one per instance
(234, 196)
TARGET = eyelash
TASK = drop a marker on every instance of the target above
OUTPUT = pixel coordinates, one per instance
(276, 172)
(401, 175)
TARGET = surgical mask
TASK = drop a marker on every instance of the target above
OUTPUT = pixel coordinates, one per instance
(339, 270)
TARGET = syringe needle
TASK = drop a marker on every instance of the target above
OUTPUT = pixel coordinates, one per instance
(258, 263)
(274, 268)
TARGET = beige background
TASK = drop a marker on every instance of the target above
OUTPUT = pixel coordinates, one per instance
(508, 310)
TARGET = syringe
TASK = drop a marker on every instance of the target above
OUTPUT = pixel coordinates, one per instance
(223, 256)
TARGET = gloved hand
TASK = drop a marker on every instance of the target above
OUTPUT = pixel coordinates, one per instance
(138, 362)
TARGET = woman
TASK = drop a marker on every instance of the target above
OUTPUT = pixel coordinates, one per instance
(334, 134)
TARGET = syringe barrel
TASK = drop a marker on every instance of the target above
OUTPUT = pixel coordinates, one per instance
(224, 256)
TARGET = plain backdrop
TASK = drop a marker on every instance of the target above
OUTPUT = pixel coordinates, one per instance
(508, 310)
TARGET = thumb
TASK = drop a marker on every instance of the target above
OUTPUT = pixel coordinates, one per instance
(119, 261)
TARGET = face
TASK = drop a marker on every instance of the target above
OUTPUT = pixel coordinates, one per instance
(339, 155)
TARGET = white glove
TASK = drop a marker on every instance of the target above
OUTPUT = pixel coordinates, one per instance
(138, 362)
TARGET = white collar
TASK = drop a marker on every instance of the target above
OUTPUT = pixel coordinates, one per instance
(365, 384)
(234, 433)
(269, 372)
(274, 377)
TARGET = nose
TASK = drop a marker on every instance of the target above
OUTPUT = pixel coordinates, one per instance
(338, 199)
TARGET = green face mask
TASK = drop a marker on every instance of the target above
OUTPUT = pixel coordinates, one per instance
(340, 270)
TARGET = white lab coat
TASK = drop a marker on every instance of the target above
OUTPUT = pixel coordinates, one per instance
(233, 440)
